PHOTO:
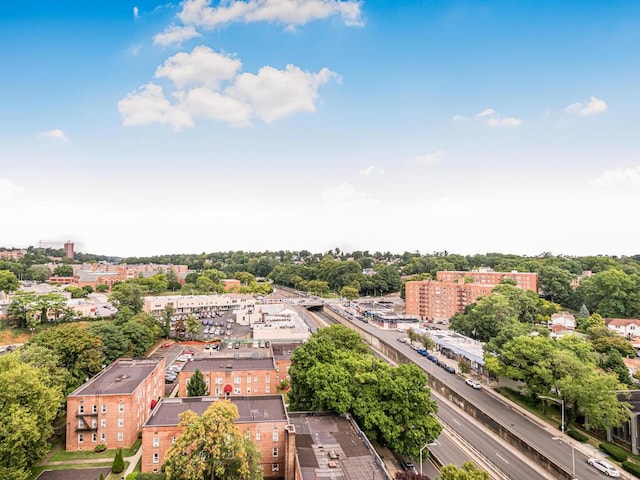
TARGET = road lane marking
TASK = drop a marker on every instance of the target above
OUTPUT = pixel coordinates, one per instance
(502, 458)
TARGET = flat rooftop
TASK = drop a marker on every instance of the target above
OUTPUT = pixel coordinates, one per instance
(319, 437)
(263, 408)
(465, 346)
(218, 364)
(283, 351)
(120, 378)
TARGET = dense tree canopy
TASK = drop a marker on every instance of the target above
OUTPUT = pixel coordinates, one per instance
(335, 371)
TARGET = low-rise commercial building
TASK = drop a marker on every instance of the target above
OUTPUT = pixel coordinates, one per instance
(197, 304)
(111, 407)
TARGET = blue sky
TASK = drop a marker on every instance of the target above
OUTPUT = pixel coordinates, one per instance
(145, 128)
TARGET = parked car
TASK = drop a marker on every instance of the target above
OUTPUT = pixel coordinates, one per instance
(166, 345)
(604, 466)
(449, 369)
(473, 383)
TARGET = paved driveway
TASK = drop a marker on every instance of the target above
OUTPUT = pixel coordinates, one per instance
(75, 474)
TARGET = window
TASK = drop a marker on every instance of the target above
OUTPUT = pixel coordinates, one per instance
(275, 467)
(104, 408)
(267, 379)
(121, 408)
(94, 437)
(103, 437)
(275, 436)
(173, 439)
(80, 437)
(255, 389)
(156, 458)
(257, 435)
(94, 409)
(80, 424)
(275, 451)
(121, 422)
(249, 379)
(236, 391)
(218, 391)
(120, 436)
(156, 441)
(237, 380)
(267, 389)
(80, 408)
(218, 381)
(94, 423)
(103, 423)
(248, 390)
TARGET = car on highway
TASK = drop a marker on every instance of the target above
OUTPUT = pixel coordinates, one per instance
(473, 383)
(449, 369)
(409, 466)
(604, 466)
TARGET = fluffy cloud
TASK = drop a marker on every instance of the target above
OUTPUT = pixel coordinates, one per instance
(8, 188)
(489, 112)
(369, 170)
(585, 109)
(136, 12)
(202, 66)
(460, 118)
(175, 35)
(199, 76)
(618, 176)
(274, 93)
(287, 12)
(429, 158)
(55, 134)
(149, 105)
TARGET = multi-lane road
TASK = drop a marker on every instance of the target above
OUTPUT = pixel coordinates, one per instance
(513, 464)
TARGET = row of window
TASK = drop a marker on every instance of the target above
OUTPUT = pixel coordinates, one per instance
(103, 423)
(94, 408)
(94, 437)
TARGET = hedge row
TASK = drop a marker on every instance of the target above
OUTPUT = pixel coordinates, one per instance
(576, 435)
(619, 454)
(631, 467)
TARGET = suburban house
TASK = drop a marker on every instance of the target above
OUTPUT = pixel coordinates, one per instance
(562, 323)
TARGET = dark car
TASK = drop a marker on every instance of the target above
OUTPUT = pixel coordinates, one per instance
(409, 466)
(450, 369)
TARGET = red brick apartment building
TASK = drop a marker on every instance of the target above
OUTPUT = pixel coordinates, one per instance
(438, 300)
(233, 376)
(112, 407)
(263, 419)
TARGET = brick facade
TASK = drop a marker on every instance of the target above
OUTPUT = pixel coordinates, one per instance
(111, 408)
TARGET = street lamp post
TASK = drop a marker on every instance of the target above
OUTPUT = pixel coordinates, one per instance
(560, 401)
(431, 444)
(573, 448)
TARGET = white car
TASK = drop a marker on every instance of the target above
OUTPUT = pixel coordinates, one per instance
(604, 466)
(473, 383)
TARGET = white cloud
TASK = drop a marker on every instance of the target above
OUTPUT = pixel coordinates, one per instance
(499, 121)
(494, 119)
(55, 134)
(136, 12)
(585, 109)
(202, 66)
(199, 78)
(175, 35)
(8, 188)
(133, 50)
(460, 118)
(208, 104)
(618, 176)
(287, 12)
(274, 93)
(149, 105)
(488, 112)
(429, 158)
(369, 170)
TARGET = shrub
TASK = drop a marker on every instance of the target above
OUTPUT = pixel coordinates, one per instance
(616, 452)
(100, 448)
(631, 467)
(151, 476)
(132, 476)
(576, 435)
(118, 463)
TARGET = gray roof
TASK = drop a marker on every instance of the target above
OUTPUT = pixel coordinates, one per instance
(218, 364)
(120, 378)
(283, 350)
(251, 409)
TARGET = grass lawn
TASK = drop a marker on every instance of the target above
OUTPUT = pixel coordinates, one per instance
(63, 455)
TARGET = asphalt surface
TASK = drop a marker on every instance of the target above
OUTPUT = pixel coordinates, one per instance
(534, 431)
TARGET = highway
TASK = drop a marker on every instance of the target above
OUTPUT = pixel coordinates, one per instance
(496, 451)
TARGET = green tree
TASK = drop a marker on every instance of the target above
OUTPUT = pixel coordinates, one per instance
(192, 326)
(23, 311)
(102, 287)
(173, 282)
(167, 315)
(197, 386)
(29, 405)
(76, 292)
(611, 293)
(140, 335)
(118, 463)
(80, 351)
(63, 271)
(39, 273)
(116, 344)
(350, 293)
(603, 340)
(468, 472)
(211, 446)
(8, 281)
(128, 294)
